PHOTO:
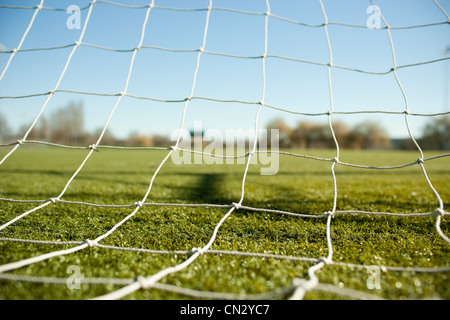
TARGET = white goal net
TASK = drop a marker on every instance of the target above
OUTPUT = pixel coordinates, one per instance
(192, 54)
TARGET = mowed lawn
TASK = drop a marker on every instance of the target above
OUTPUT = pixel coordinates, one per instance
(301, 185)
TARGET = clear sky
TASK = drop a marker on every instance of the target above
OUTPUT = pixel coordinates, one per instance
(293, 85)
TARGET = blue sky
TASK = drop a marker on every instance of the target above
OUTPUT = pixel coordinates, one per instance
(160, 74)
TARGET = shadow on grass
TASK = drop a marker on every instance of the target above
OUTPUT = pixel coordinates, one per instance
(209, 188)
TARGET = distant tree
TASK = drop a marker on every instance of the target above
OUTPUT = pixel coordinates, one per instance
(67, 124)
(107, 139)
(403, 144)
(5, 131)
(436, 134)
(310, 135)
(40, 131)
(139, 140)
(284, 132)
(44, 128)
(369, 135)
(341, 131)
(161, 141)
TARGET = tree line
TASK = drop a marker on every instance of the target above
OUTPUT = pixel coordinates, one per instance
(67, 126)
(365, 135)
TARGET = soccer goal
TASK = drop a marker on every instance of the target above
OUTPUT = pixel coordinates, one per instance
(137, 159)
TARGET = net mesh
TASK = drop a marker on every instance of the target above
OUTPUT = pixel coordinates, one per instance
(299, 287)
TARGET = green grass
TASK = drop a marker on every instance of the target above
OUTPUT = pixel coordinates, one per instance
(301, 185)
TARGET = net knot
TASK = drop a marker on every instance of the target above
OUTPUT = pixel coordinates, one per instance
(93, 147)
(20, 141)
(329, 213)
(335, 159)
(77, 43)
(143, 282)
(14, 50)
(440, 212)
(236, 205)
(139, 204)
(54, 200)
(39, 7)
(420, 160)
(200, 251)
(90, 243)
(325, 260)
(174, 148)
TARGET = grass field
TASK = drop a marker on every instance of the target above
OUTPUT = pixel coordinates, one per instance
(301, 185)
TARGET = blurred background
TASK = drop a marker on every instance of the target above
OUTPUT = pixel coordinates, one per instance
(229, 82)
